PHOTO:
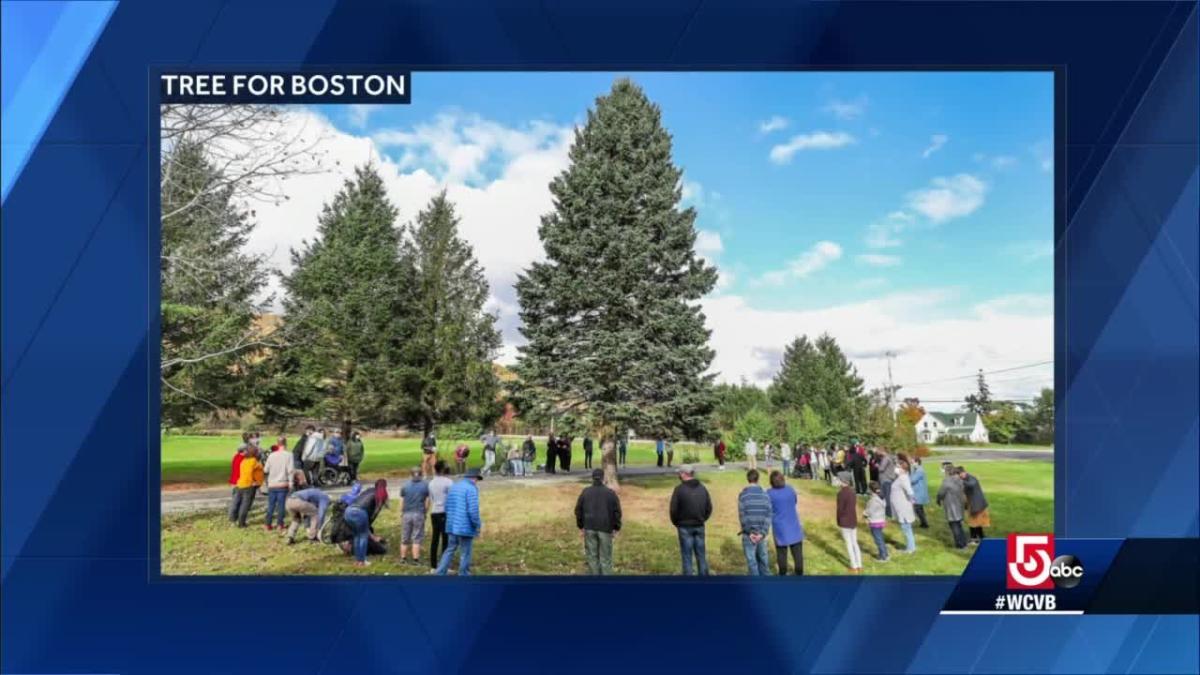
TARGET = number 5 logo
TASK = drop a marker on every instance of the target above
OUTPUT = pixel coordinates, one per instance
(1029, 559)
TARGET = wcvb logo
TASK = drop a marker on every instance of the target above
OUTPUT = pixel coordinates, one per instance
(1032, 565)
(1029, 559)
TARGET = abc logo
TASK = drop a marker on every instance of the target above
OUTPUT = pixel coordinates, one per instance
(1066, 571)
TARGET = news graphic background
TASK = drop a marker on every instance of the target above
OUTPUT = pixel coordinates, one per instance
(80, 442)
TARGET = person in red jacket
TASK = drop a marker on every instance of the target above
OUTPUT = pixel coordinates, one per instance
(235, 470)
(719, 451)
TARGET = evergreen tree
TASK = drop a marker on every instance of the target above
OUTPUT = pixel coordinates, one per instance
(981, 401)
(755, 424)
(819, 375)
(208, 301)
(448, 373)
(345, 303)
(611, 316)
(735, 400)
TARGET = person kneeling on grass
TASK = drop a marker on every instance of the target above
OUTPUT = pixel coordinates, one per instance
(754, 515)
(462, 523)
(876, 516)
(598, 517)
(308, 503)
(359, 516)
(847, 520)
(414, 496)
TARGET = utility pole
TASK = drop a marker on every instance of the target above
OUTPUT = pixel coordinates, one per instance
(891, 389)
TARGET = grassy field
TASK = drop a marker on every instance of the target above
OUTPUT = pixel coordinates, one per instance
(192, 460)
(531, 530)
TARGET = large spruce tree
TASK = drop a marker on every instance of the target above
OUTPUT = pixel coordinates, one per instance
(614, 330)
(345, 306)
(818, 375)
(210, 290)
(447, 372)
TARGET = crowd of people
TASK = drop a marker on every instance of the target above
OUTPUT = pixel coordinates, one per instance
(891, 488)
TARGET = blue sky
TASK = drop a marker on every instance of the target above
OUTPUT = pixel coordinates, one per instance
(916, 208)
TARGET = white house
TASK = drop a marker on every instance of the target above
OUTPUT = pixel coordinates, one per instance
(964, 425)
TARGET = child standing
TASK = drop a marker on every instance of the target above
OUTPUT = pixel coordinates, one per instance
(876, 515)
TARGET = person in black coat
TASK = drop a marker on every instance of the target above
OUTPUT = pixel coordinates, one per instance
(551, 453)
(690, 508)
(598, 517)
(587, 451)
(564, 452)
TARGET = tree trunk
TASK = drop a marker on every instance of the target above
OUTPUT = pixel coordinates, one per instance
(608, 460)
(426, 426)
(347, 427)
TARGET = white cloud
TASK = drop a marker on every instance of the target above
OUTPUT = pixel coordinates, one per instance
(1003, 162)
(692, 192)
(936, 142)
(708, 243)
(817, 140)
(360, 113)
(499, 215)
(814, 259)
(846, 109)
(947, 198)
(774, 123)
(878, 260)
(934, 334)
(870, 283)
(885, 233)
(1030, 251)
(1043, 154)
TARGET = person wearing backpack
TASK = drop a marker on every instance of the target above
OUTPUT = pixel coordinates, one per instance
(354, 453)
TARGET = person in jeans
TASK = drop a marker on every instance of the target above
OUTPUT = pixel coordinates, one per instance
(876, 516)
(514, 456)
(250, 477)
(847, 521)
(953, 502)
(902, 505)
(920, 488)
(490, 442)
(462, 523)
(528, 456)
(785, 524)
(414, 497)
(887, 475)
(690, 508)
(754, 515)
(439, 486)
(279, 473)
(308, 503)
(235, 472)
(359, 516)
(660, 447)
(598, 517)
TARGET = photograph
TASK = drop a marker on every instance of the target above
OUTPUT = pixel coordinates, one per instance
(773, 323)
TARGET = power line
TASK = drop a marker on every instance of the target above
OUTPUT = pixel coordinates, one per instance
(976, 374)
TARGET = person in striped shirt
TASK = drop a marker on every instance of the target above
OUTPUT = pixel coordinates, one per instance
(754, 515)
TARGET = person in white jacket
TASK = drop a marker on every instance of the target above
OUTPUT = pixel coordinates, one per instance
(751, 454)
(902, 500)
(785, 458)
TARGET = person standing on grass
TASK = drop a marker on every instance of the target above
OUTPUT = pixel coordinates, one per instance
(876, 517)
(902, 499)
(462, 523)
(598, 517)
(414, 499)
(952, 500)
(490, 441)
(785, 524)
(314, 452)
(622, 448)
(977, 505)
(308, 503)
(670, 453)
(920, 488)
(299, 447)
(751, 450)
(660, 447)
(439, 487)
(355, 453)
(887, 475)
(690, 508)
(359, 516)
(235, 472)
(785, 458)
(587, 451)
(428, 453)
(754, 515)
(528, 456)
(564, 452)
(719, 453)
(847, 522)
(279, 474)
(250, 477)
(551, 453)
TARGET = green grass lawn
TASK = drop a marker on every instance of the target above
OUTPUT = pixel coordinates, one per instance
(205, 459)
(531, 530)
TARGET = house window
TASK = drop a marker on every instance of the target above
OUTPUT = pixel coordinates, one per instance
(927, 426)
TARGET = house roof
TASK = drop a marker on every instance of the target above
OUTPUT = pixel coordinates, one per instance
(956, 420)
